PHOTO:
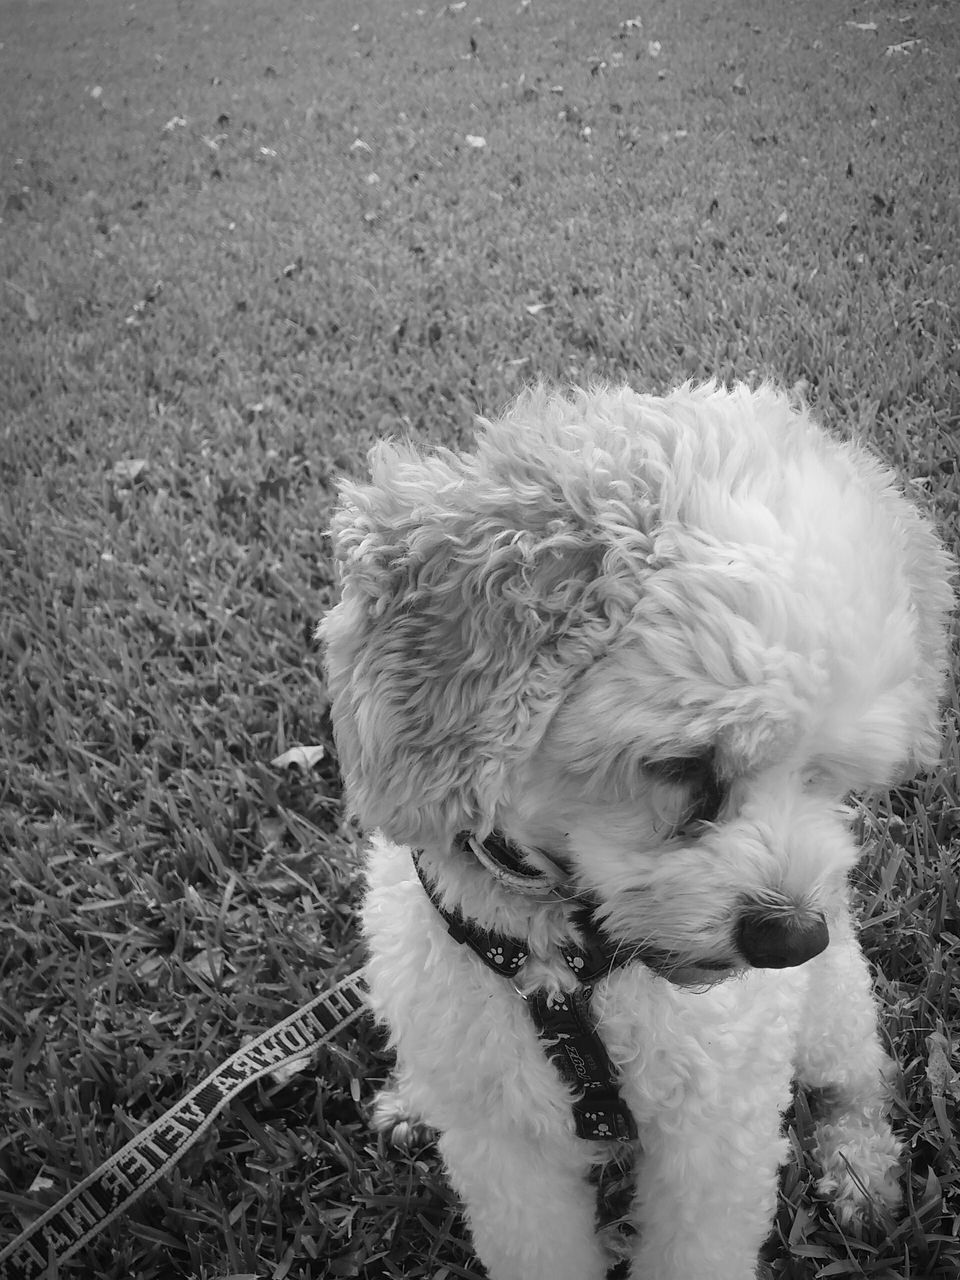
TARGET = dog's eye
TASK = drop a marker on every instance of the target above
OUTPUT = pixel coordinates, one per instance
(696, 774)
(707, 802)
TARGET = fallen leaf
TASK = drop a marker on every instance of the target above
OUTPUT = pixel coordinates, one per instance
(862, 26)
(536, 307)
(632, 24)
(654, 48)
(474, 140)
(207, 964)
(175, 122)
(140, 307)
(30, 308)
(904, 47)
(127, 471)
(148, 966)
(301, 757)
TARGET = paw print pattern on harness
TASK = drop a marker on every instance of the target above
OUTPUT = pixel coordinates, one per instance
(601, 1128)
(510, 964)
(557, 1003)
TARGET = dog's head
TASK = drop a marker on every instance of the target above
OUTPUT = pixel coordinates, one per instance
(660, 638)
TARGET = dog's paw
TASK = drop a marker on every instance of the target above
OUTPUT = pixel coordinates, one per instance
(392, 1120)
(859, 1158)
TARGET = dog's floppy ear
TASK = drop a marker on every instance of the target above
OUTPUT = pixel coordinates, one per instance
(469, 601)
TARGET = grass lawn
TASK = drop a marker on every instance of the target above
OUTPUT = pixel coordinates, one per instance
(240, 241)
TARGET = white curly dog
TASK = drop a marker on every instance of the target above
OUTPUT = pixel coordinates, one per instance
(601, 686)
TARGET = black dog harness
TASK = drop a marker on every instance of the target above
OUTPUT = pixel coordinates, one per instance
(562, 1021)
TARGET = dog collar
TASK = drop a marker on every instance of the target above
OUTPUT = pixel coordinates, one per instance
(588, 962)
(562, 1021)
(502, 860)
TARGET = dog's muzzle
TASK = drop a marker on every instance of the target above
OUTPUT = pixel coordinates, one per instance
(781, 939)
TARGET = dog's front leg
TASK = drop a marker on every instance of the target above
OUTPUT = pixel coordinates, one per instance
(841, 1060)
(530, 1206)
(706, 1190)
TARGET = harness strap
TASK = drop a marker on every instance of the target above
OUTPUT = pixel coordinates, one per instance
(498, 951)
(562, 1021)
(573, 1046)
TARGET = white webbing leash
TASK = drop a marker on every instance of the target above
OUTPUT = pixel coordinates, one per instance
(108, 1192)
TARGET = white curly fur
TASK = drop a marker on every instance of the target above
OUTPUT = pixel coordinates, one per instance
(528, 632)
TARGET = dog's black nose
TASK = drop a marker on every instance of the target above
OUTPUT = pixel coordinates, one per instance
(780, 940)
